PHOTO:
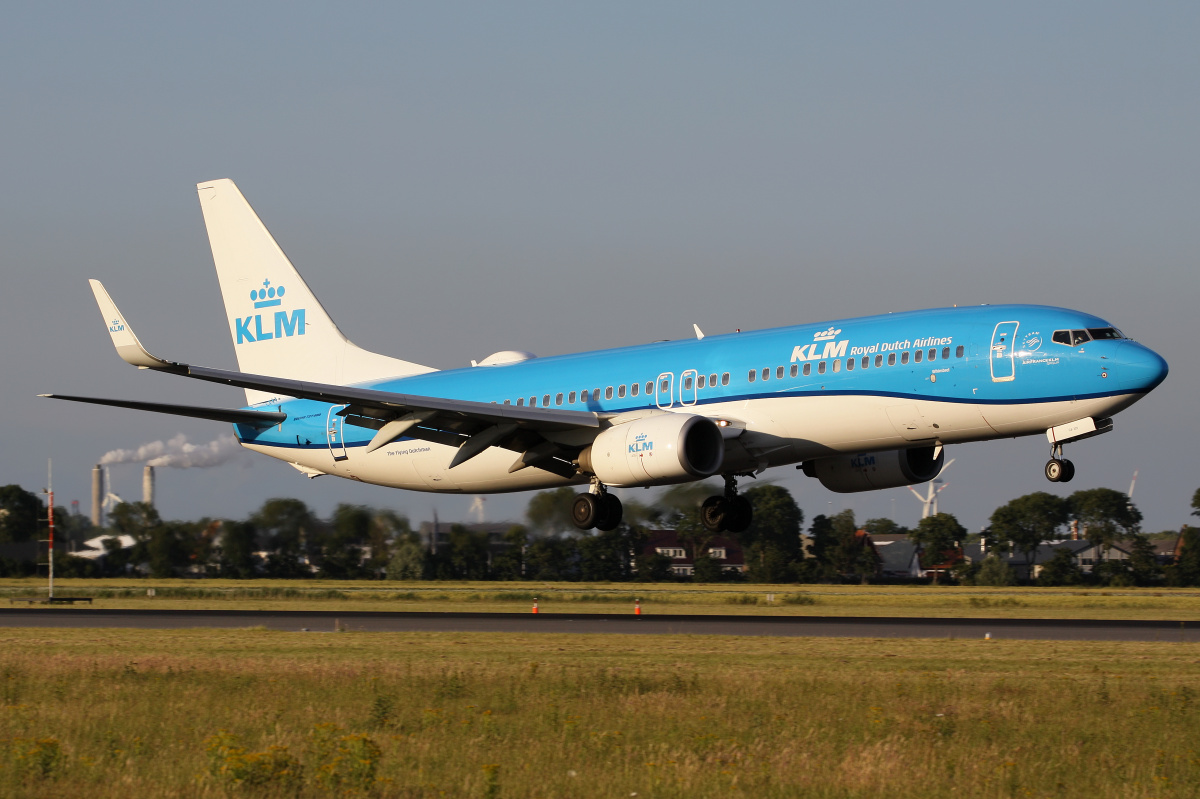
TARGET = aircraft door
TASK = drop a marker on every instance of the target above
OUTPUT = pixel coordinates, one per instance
(664, 397)
(333, 433)
(1003, 351)
(688, 387)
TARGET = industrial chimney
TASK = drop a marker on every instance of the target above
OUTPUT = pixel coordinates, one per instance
(98, 496)
(148, 485)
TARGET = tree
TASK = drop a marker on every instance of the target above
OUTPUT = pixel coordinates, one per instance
(169, 548)
(1143, 561)
(549, 512)
(937, 535)
(552, 559)
(288, 524)
(608, 555)
(1027, 522)
(238, 543)
(1060, 569)
(849, 554)
(342, 548)
(20, 514)
(1186, 570)
(509, 564)
(995, 571)
(408, 559)
(877, 527)
(1196, 503)
(1104, 516)
(468, 553)
(772, 543)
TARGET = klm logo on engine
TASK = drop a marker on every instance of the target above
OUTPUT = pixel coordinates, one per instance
(823, 346)
(279, 324)
(640, 445)
(862, 461)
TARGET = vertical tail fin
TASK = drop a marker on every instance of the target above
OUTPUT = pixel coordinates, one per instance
(278, 326)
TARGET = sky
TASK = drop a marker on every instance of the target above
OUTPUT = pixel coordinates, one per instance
(454, 179)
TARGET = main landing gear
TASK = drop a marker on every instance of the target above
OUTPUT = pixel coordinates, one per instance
(728, 512)
(597, 508)
(1058, 468)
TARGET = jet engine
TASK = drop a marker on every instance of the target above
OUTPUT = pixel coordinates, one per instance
(657, 450)
(874, 470)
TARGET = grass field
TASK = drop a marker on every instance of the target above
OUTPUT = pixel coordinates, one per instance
(664, 598)
(119, 713)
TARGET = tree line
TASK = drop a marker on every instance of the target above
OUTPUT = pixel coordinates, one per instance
(285, 539)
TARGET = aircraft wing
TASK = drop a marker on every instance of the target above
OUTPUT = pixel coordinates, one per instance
(253, 418)
(541, 435)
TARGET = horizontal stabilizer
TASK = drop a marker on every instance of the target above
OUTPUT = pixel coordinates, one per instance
(232, 416)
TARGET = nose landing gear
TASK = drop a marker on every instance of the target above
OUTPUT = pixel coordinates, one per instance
(728, 512)
(597, 508)
(1058, 468)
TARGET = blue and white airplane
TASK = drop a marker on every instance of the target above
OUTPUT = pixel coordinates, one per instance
(859, 404)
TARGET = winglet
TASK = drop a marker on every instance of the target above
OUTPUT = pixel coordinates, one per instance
(127, 344)
(699, 332)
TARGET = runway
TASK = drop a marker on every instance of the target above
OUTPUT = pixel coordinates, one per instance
(526, 623)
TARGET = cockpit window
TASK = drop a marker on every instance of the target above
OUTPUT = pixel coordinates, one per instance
(1072, 338)
(1101, 333)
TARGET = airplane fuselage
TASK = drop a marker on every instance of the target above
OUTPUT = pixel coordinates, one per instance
(791, 394)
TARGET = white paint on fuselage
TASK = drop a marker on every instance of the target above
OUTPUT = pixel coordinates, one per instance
(779, 431)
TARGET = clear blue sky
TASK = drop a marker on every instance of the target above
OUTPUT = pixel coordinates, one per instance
(454, 179)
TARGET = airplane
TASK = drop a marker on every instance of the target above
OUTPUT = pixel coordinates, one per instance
(859, 404)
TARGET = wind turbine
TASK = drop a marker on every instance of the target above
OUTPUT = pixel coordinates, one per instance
(929, 502)
(1132, 483)
(477, 508)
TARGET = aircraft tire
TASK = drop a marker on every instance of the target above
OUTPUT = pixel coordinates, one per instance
(610, 513)
(1068, 471)
(739, 516)
(586, 511)
(713, 513)
(1054, 470)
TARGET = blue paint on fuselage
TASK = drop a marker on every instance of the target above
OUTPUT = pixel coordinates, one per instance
(1040, 370)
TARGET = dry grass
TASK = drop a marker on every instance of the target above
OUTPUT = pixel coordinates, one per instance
(823, 600)
(115, 713)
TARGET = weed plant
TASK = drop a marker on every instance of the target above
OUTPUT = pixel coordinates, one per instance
(118, 713)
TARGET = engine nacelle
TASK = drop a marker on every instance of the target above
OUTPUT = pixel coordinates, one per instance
(656, 450)
(874, 470)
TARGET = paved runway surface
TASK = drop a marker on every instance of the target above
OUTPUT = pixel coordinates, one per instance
(835, 626)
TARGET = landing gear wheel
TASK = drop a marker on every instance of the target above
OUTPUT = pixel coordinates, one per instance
(587, 510)
(610, 513)
(739, 514)
(1055, 469)
(713, 513)
(1068, 471)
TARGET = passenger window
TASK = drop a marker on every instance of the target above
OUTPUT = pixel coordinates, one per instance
(891, 359)
(621, 391)
(850, 363)
(571, 399)
(558, 399)
(807, 369)
(766, 373)
(725, 379)
(520, 401)
(795, 370)
(933, 355)
(918, 356)
(945, 353)
(821, 368)
(700, 381)
(712, 380)
(608, 393)
(546, 401)
(532, 402)
(633, 389)
(665, 386)
(752, 375)
(687, 383)
(837, 366)
(958, 352)
(904, 357)
(506, 402)
(1079, 337)
(878, 361)
(595, 395)
(866, 361)
(779, 373)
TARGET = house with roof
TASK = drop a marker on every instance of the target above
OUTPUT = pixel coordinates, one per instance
(721, 548)
(1084, 555)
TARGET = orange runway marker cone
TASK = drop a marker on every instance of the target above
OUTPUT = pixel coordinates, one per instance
(637, 607)
(535, 610)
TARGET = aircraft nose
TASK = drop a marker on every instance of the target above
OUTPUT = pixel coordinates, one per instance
(1139, 368)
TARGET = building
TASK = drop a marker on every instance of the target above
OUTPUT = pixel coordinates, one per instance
(720, 548)
(1084, 555)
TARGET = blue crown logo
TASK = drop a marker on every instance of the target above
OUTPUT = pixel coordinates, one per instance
(267, 296)
(641, 437)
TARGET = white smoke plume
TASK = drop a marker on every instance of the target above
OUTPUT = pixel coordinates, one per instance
(178, 453)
